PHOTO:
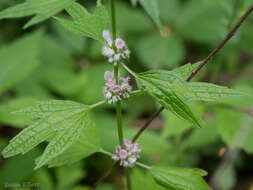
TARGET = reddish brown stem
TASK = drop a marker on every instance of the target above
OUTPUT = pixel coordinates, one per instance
(227, 38)
(106, 174)
(147, 124)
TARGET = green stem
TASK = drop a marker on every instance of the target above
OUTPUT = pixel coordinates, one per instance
(113, 19)
(128, 179)
(97, 104)
(118, 109)
(118, 104)
(129, 70)
(119, 121)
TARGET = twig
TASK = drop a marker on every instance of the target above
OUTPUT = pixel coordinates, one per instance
(227, 38)
(195, 71)
(147, 124)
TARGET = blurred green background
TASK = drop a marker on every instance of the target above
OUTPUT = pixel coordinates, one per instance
(67, 66)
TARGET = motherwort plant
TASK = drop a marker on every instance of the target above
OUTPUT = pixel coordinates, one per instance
(65, 125)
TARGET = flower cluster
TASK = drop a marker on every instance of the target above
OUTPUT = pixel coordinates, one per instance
(115, 92)
(127, 155)
(120, 51)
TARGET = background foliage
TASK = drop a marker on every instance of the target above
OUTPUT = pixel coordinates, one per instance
(47, 61)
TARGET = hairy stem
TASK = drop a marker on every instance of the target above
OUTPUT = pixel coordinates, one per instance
(205, 61)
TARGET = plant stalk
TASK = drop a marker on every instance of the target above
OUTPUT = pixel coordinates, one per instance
(118, 104)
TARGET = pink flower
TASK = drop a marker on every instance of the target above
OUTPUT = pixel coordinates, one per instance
(127, 155)
(120, 44)
(127, 144)
(118, 149)
(114, 92)
(108, 75)
(107, 37)
(123, 154)
(136, 148)
(111, 83)
(107, 51)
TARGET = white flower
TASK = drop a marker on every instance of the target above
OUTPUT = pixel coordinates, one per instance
(114, 54)
(107, 51)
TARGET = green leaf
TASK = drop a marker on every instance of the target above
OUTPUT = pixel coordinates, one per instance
(47, 109)
(156, 51)
(60, 122)
(85, 23)
(60, 70)
(64, 139)
(43, 9)
(16, 62)
(22, 163)
(87, 144)
(152, 8)
(150, 141)
(185, 71)
(180, 178)
(126, 20)
(143, 181)
(235, 129)
(202, 138)
(6, 107)
(73, 43)
(193, 91)
(174, 125)
(161, 85)
(200, 91)
(201, 22)
(134, 2)
(209, 92)
(69, 176)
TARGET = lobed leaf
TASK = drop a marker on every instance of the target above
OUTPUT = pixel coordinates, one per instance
(180, 178)
(87, 144)
(85, 23)
(65, 138)
(43, 9)
(63, 124)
